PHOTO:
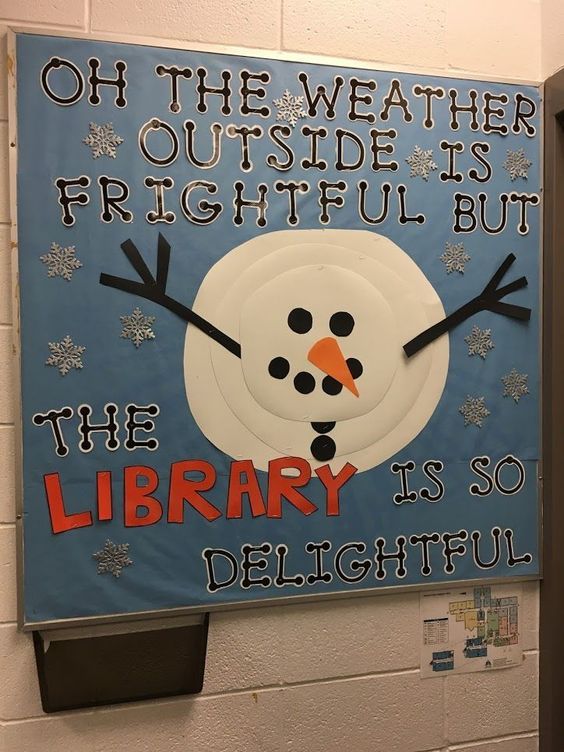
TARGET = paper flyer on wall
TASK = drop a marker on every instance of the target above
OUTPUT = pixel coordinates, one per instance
(470, 629)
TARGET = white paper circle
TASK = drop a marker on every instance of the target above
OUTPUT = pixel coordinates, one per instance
(249, 293)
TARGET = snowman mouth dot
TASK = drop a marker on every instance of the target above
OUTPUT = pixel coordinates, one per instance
(331, 386)
(304, 382)
(300, 321)
(323, 448)
(355, 367)
(341, 324)
(279, 368)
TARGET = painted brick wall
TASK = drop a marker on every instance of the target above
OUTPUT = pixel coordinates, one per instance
(552, 49)
(325, 676)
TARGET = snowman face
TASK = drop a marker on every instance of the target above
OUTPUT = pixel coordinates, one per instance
(321, 316)
(310, 353)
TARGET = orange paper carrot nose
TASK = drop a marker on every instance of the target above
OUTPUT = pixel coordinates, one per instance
(328, 357)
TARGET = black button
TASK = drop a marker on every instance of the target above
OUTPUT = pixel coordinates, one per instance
(323, 427)
(323, 448)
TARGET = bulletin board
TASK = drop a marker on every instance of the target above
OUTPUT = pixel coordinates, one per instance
(279, 328)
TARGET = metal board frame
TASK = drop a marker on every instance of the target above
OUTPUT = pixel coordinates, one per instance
(551, 718)
(147, 617)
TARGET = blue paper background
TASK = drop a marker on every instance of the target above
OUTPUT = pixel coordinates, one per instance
(60, 575)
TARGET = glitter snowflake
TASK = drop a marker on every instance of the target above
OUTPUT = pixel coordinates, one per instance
(112, 558)
(290, 108)
(474, 411)
(515, 385)
(65, 355)
(102, 140)
(61, 261)
(479, 341)
(455, 257)
(517, 164)
(421, 163)
(137, 327)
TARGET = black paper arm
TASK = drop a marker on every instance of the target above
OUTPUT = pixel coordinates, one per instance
(154, 289)
(488, 300)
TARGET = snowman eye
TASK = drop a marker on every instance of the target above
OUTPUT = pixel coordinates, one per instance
(341, 324)
(300, 320)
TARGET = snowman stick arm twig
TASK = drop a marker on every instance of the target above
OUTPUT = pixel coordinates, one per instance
(200, 323)
(489, 299)
(163, 260)
(152, 293)
(440, 328)
(499, 274)
(507, 309)
(153, 289)
(511, 287)
(137, 262)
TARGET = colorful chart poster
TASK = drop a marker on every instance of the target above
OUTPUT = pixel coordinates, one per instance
(470, 629)
(279, 328)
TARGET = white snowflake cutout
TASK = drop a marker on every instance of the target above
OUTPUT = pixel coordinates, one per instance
(454, 257)
(517, 164)
(65, 355)
(474, 411)
(479, 342)
(112, 558)
(137, 327)
(421, 163)
(61, 262)
(102, 140)
(290, 108)
(515, 385)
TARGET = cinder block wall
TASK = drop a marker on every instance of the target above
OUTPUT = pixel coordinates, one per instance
(322, 677)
